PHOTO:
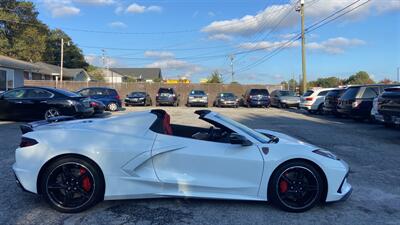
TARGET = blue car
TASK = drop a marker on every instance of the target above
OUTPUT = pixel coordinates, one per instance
(108, 96)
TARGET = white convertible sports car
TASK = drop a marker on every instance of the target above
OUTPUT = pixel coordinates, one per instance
(75, 164)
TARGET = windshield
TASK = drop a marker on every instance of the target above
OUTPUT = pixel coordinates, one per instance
(139, 94)
(288, 93)
(166, 91)
(259, 92)
(254, 134)
(227, 95)
(197, 92)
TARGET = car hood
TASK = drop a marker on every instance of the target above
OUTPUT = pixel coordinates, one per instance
(286, 139)
(229, 98)
(290, 98)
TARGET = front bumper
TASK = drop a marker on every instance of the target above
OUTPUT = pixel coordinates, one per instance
(134, 102)
(339, 189)
(197, 102)
(259, 102)
(228, 103)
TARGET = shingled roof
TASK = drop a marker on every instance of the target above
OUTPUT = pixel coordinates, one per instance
(49, 69)
(139, 73)
(12, 63)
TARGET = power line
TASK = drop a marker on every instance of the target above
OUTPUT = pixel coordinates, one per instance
(315, 26)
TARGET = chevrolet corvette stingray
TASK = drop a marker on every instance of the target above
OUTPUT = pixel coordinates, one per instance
(74, 164)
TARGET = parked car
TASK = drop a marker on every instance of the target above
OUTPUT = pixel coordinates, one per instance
(226, 99)
(108, 96)
(138, 98)
(167, 96)
(331, 101)
(284, 99)
(197, 98)
(389, 106)
(313, 100)
(141, 154)
(38, 103)
(97, 106)
(256, 98)
(356, 102)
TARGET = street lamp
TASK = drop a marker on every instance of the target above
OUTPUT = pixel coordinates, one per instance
(62, 58)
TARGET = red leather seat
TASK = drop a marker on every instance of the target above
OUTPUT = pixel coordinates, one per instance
(167, 124)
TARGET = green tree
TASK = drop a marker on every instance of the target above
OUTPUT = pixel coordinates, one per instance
(73, 57)
(22, 35)
(215, 77)
(95, 73)
(386, 81)
(326, 82)
(360, 77)
(157, 80)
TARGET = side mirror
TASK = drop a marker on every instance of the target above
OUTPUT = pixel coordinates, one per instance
(235, 138)
(127, 95)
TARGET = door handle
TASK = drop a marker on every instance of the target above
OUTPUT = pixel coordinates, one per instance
(43, 101)
(18, 102)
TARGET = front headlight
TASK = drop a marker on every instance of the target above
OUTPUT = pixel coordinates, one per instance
(141, 98)
(222, 100)
(326, 154)
(191, 97)
(284, 100)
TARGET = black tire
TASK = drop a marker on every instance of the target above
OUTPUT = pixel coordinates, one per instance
(287, 196)
(389, 125)
(321, 109)
(313, 112)
(53, 173)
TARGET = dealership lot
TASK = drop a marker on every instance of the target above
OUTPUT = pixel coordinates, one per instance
(372, 151)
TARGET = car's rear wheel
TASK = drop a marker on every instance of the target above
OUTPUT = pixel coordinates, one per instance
(72, 184)
(112, 106)
(296, 186)
(50, 113)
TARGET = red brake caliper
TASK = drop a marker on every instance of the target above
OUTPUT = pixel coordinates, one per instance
(283, 186)
(86, 185)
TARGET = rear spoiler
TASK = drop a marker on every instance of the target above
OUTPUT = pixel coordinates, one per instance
(26, 128)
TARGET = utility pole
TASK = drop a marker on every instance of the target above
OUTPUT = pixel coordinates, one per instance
(232, 57)
(62, 60)
(398, 74)
(303, 48)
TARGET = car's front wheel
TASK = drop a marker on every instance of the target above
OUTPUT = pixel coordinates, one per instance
(296, 186)
(112, 106)
(72, 184)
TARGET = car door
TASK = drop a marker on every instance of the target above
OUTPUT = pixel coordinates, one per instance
(37, 102)
(191, 167)
(11, 104)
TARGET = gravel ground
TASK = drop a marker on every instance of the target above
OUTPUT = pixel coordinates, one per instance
(372, 151)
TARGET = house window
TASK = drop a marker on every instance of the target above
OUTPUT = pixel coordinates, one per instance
(3, 80)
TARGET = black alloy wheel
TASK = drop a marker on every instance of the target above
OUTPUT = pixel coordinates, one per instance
(296, 187)
(72, 185)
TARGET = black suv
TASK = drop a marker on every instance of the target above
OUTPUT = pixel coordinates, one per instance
(389, 106)
(331, 101)
(256, 97)
(167, 96)
(356, 101)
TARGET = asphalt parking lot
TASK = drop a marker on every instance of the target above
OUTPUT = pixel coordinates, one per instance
(372, 151)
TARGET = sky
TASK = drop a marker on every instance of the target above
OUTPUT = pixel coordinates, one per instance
(193, 38)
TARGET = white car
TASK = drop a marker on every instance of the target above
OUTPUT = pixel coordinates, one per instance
(75, 164)
(313, 100)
